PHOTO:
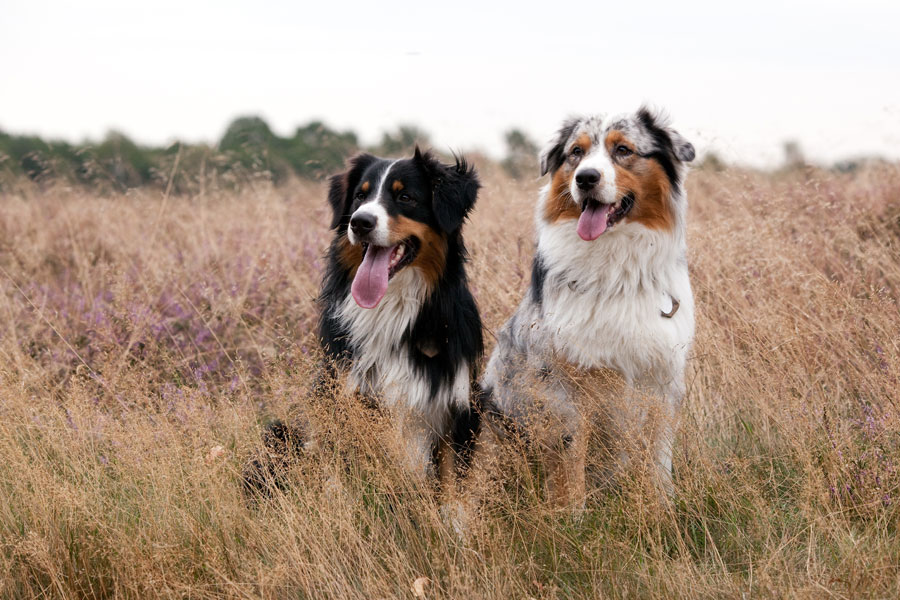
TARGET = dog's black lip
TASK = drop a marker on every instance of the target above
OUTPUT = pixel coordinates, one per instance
(625, 206)
(411, 245)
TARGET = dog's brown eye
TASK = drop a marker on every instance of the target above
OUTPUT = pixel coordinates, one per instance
(404, 197)
(623, 151)
(575, 155)
(359, 196)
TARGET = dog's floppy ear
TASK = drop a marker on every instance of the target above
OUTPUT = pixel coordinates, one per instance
(341, 186)
(684, 150)
(554, 153)
(454, 189)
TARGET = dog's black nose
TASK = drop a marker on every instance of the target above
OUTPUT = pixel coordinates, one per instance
(362, 223)
(587, 178)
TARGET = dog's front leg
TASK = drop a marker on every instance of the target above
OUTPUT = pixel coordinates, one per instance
(566, 473)
(665, 439)
(565, 452)
(645, 423)
(430, 460)
(416, 446)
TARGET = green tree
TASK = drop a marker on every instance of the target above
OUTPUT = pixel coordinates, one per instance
(402, 141)
(316, 150)
(521, 154)
(250, 146)
(123, 161)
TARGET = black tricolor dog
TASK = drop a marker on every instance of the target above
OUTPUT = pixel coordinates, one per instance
(398, 321)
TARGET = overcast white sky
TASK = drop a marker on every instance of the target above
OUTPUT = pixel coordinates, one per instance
(740, 80)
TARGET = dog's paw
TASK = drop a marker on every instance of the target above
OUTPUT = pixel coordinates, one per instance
(268, 473)
(263, 476)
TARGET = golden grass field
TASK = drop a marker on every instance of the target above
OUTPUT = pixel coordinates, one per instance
(146, 339)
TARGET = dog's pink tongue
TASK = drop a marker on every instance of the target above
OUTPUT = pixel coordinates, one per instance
(371, 279)
(592, 221)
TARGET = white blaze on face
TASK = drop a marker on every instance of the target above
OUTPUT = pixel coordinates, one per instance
(598, 159)
(380, 236)
(371, 280)
(595, 215)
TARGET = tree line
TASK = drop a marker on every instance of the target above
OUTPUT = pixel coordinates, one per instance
(248, 150)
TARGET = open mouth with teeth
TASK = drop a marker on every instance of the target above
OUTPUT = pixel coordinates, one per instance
(597, 218)
(379, 264)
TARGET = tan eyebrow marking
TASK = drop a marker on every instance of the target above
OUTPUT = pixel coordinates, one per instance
(397, 186)
(365, 186)
(616, 137)
(583, 140)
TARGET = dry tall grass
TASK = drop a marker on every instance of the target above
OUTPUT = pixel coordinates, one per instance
(140, 333)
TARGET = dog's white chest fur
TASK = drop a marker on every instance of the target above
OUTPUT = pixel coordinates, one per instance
(381, 364)
(603, 301)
